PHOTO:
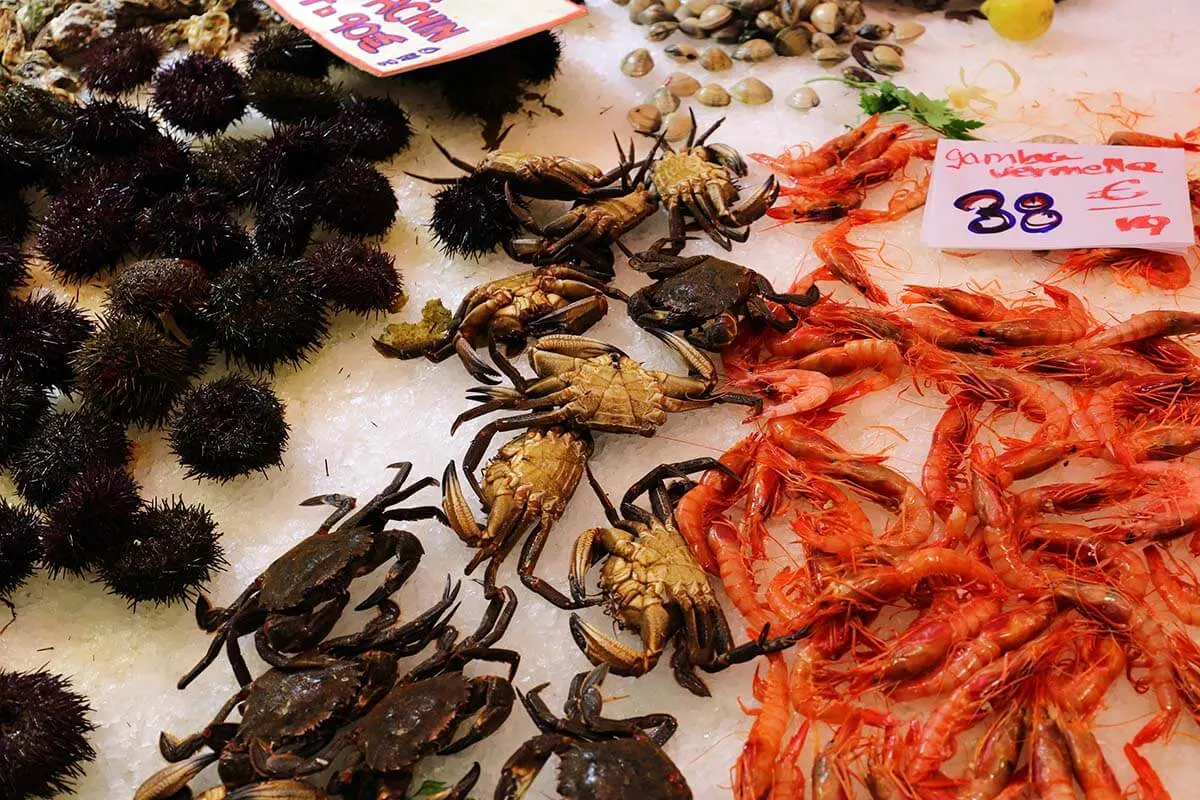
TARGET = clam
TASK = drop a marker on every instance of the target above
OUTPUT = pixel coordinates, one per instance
(655, 13)
(677, 126)
(908, 31)
(661, 30)
(875, 31)
(751, 91)
(715, 17)
(697, 7)
(749, 8)
(691, 27)
(821, 40)
(794, 11)
(827, 18)
(636, 7)
(828, 56)
(754, 50)
(715, 59)
(664, 100)
(681, 52)
(681, 84)
(769, 22)
(731, 33)
(852, 12)
(645, 118)
(1052, 138)
(886, 58)
(671, 5)
(792, 41)
(712, 94)
(857, 74)
(637, 63)
(803, 99)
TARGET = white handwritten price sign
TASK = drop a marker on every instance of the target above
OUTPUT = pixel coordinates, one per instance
(998, 196)
(387, 37)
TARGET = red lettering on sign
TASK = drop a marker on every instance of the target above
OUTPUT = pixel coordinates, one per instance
(1117, 191)
(1154, 223)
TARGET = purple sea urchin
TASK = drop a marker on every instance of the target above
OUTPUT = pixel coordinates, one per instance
(173, 552)
(356, 198)
(20, 531)
(159, 286)
(229, 427)
(43, 735)
(283, 223)
(222, 163)
(39, 337)
(471, 216)
(122, 62)
(288, 49)
(15, 218)
(265, 312)
(195, 224)
(63, 445)
(373, 128)
(285, 97)
(132, 371)
(354, 276)
(86, 230)
(294, 155)
(538, 56)
(200, 94)
(21, 404)
(13, 269)
(92, 519)
(110, 126)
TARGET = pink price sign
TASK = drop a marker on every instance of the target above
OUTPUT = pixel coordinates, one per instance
(387, 37)
(1029, 196)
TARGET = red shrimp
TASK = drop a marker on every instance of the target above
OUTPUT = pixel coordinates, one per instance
(1139, 139)
(736, 577)
(1074, 498)
(1088, 764)
(1149, 785)
(1082, 367)
(874, 171)
(913, 524)
(805, 204)
(1162, 442)
(788, 780)
(1162, 270)
(753, 771)
(1170, 510)
(836, 525)
(1030, 399)
(902, 201)
(1147, 325)
(1048, 764)
(710, 498)
(1082, 542)
(1017, 790)
(996, 756)
(996, 637)
(1083, 693)
(843, 262)
(882, 357)
(760, 495)
(813, 699)
(831, 777)
(1179, 590)
(1067, 321)
(942, 477)
(823, 158)
(964, 304)
(801, 340)
(999, 527)
(792, 390)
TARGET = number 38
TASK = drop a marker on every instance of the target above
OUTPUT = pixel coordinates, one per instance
(1036, 210)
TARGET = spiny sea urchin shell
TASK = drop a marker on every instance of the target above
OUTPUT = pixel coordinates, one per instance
(223, 162)
(356, 198)
(122, 62)
(374, 128)
(158, 165)
(63, 445)
(159, 286)
(173, 552)
(38, 338)
(200, 94)
(91, 520)
(354, 276)
(284, 221)
(285, 97)
(265, 312)
(110, 126)
(538, 56)
(21, 405)
(288, 49)
(295, 154)
(13, 269)
(15, 217)
(471, 216)
(20, 531)
(228, 428)
(195, 224)
(43, 735)
(86, 230)
(132, 371)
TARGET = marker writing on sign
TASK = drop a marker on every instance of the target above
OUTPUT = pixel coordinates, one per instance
(371, 36)
(1037, 211)
(1021, 164)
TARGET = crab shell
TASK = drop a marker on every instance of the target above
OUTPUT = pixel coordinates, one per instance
(619, 769)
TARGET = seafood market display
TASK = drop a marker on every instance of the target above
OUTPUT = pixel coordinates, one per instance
(858, 519)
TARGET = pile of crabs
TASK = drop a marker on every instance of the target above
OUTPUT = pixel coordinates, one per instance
(1008, 602)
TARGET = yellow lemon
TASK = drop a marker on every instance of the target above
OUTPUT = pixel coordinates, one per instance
(1019, 20)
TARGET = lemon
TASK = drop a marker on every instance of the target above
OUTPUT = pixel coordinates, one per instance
(1019, 20)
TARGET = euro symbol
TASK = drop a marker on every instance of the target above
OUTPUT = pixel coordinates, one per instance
(1118, 191)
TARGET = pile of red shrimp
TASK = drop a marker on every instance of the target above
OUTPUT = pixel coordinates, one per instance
(1005, 600)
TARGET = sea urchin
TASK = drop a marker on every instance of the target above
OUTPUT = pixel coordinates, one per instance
(471, 216)
(38, 338)
(229, 427)
(43, 735)
(354, 276)
(122, 62)
(61, 447)
(200, 94)
(92, 519)
(20, 530)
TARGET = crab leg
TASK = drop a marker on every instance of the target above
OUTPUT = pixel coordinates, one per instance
(495, 701)
(523, 766)
(530, 554)
(171, 780)
(277, 790)
(408, 556)
(622, 659)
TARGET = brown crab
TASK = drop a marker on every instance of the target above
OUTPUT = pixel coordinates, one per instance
(297, 600)
(537, 176)
(596, 386)
(700, 181)
(652, 584)
(508, 310)
(527, 483)
(600, 759)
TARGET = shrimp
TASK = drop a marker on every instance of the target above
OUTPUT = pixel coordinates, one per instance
(1139, 139)
(902, 201)
(860, 354)
(924, 644)
(1048, 763)
(874, 171)
(1147, 325)
(1172, 508)
(997, 636)
(831, 778)
(736, 577)
(996, 756)
(798, 390)
(1162, 270)
(1017, 790)
(760, 495)
(710, 498)
(1067, 321)
(913, 524)
(788, 779)
(842, 261)
(808, 205)
(837, 525)
(1085, 368)
(1149, 785)
(812, 700)
(1162, 442)
(752, 773)
(1090, 767)
(1178, 590)
(1080, 541)
(823, 158)
(801, 341)
(964, 304)
(998, 525)
(1082, 694)
(942, 476)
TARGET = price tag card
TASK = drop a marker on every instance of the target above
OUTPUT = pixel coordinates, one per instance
(1029, 196)
(387, 37)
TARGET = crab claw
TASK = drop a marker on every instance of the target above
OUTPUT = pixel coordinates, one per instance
(620, 658)
(475, 365)
(458, 511)
(278, 790)
(753, 207)
(171, 780)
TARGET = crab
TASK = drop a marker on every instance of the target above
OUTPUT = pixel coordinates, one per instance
(527, 483)
(297, 600)
(652, 584)
(595, 386)
(507, 311)
(599, 759)
(704, 297)
(297, 707)
(536, 176)
(700, 181)
(420, 716)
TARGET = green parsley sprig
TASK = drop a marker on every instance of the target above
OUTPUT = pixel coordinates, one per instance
(885, 96)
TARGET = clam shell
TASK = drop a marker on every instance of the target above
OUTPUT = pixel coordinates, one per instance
(664, 100)
(830, 55)
(751, 91)
(908, 31)
(681, 52)
(645, 118)
(637, 63)
(677, 126)
(715, 17)
(827, 18)
(661, 30)
(715, 59)
(681, 84)
(754, 50)
(793, 41)
(712, 94)
(804, 98)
